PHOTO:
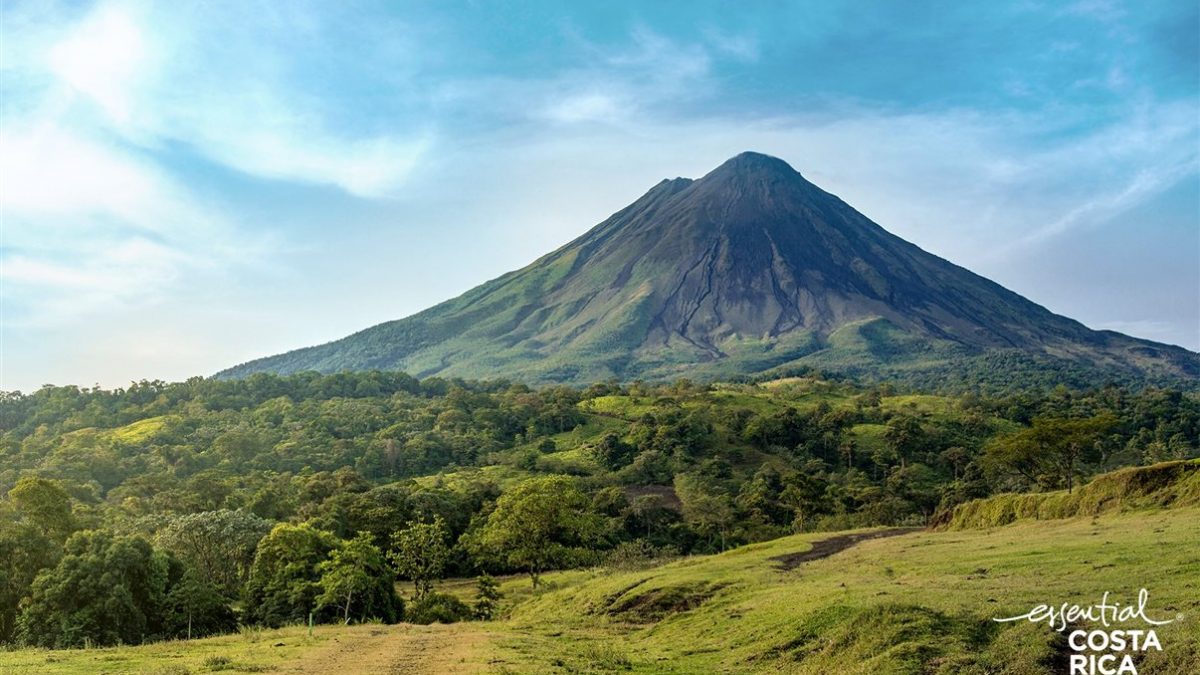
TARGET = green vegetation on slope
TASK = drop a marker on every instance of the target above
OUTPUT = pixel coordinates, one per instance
(304, 482)
(881, 606)
(1160, 485)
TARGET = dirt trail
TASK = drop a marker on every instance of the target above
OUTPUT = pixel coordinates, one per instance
(396, 650)
(827, 547)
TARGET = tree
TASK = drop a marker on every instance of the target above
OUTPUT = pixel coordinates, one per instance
(356, 575)
(759, 497)
(196, 608)
(420, 552)
(904, 437)
(45, 504)
(956, 457)
(1049, 451)
(705, 506)
(541, 523)
(283, 582)
(1073, 438)
(916, 484)
(846, 451)
(104, 590)
(218, 545)
(25, 550)
(35, 520)
(647, 514)
(487, 597)
(613, 453)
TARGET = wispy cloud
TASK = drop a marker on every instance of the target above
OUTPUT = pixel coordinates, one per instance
(160, 77)
(88, 226)
(618, 84)
(93, 217)
(743, 47)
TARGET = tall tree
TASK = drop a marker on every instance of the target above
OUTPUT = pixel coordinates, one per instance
(218, 545)
(1049, 451)
(282, 585)
(705, 506)
(539, 524)
(357, 577)
(420, 552)
(195, 608)
(45, 504)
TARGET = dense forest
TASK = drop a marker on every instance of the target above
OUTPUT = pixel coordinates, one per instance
(167, 510)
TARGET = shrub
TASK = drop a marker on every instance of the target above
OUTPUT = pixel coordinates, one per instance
(637, 554)
(438, 608)
(487, 597)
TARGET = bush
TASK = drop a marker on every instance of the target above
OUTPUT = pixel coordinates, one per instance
(215, 663)
(638, 554)
(438, 608)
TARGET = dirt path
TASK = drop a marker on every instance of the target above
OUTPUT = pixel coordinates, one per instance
(827, 547)
(398, 650)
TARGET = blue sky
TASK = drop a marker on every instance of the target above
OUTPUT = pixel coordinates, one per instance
(186, 185)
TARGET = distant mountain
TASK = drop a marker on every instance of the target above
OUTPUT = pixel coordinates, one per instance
(750, 270)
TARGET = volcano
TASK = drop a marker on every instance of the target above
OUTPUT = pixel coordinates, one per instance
(749, 271)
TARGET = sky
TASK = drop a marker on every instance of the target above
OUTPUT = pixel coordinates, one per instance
(185, 186)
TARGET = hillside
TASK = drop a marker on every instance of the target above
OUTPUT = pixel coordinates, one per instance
(750, 269)
(210, 506)
(1160, 485)
(879, 606)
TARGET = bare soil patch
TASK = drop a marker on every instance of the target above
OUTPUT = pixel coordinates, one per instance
(827, 547)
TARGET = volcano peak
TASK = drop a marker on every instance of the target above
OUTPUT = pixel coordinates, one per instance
(754, 163)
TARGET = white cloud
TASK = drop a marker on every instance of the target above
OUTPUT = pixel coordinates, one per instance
(88, 227)
(188, 81)
(370, 168)
(616, 86)
(50, 170)
(741, 47)
(586, 107)
(104, 57)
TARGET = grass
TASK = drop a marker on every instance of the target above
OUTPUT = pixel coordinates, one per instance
(882, 606)
(141, 430)
(503, 476)
(869, 438)
(251, 651)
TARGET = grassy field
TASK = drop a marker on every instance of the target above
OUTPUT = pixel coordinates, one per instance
(920, 602)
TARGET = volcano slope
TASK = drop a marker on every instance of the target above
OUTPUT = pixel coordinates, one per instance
(750, 269)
